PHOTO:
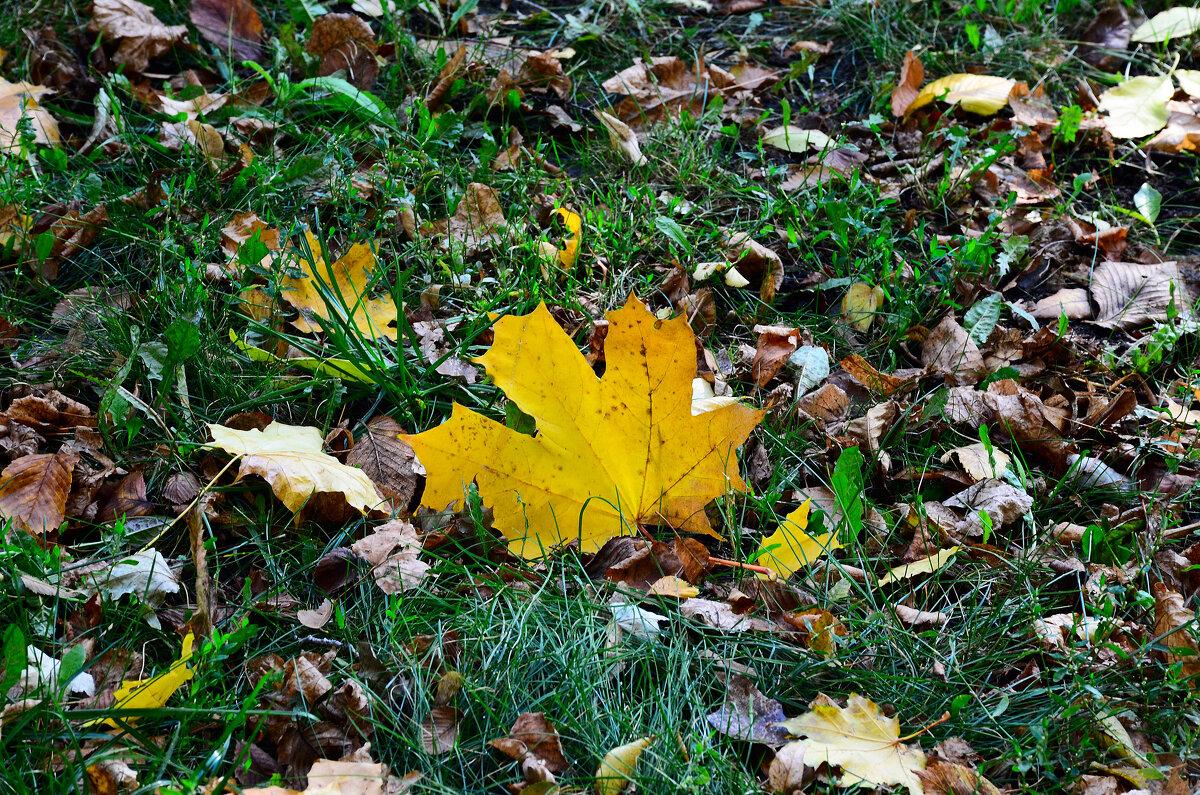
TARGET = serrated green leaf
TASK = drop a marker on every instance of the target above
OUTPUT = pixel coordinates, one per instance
(983, 317)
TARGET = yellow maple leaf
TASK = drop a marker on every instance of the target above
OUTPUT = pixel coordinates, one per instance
(289, 457)
(155, 692)
(860, 740)
(322, 290)
(860, 304)
(610, 453)
(981, 94)
(790, 548)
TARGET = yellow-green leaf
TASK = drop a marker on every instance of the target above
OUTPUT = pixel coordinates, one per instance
(1137, 107)
(790, 548)
(617, 768)
(926, 565)
(981, 94)
(290, 458)
(795, 139)
(1173, 23)
(861, 303)
(610, 453)
(344, 369)
(152, 693)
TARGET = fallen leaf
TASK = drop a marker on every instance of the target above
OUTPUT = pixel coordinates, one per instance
(439, 730)
(387, 460)
(1175, 628)
(1002, 502)
(323, 291)
(1070, 301)
(860, 304)
(42, 671)
(949, 350)
(151, 693)
(787, 772)
(868, 376)
(926, 565)
(146, 575)
(720, 615)
(34, 490)
(618, 765)
(861, 741)
(110, 776)
(53, 412)
(19, 101)
(532, 734)
(1137, 107)
(232, 25)
(794, 139)
(755, 261)
(748, 715)
(790, 548)
(1129, 295)
(622, 138)
(290, 458)
(140, 35)
(1108, 34)
(345, 43)
(1182, 133)
(948, 778)
(318, 617)
(980, 94)
(908, 87)
(329, 777)
(672, 587)
(569, 253)
(393, 550)
(811, 363)
(1174, 23)
(775, 345)
(477, 221)
(610, 453)
(979, 462)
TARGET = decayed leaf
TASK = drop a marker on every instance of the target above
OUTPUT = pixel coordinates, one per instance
(949, 778)
(775, 345)
(860, 740)
(978, 462)
(787, 772)
(790, 548)
(1070, 301)
(323, 290)
(623, 139)
(749, 715)
(140, 34)
(152, 693)
(533, 735)
(1002, 503)
(289, 457)
(981, 94)
(861, 303)
(232, 25)
(611, 453)
(912, 75)
(794, 139)
(329, 777)
(345, 43)
(439, 730)
(393, 550)
(673, 587)
(1174, 23)
(1129, 294)
(618, 765)
(950, 350)
(477, 220)
(34, 490)
(19, 101)
(1137, 107)
(926, 565)
(387, 460)
(1175, 624)
(317, 618)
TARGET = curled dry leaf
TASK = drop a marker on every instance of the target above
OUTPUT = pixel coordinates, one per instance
(34, 490)
(329, 777)
(145, 575)
(533, 735)
(290, 458)
(622, 138)
(949, 778)
(756, 262)
(912, 75)
(477, 221)
(20, 101)
(1070, 301)
(439, 730)
(329, 294)
(1129, 295)
(140, 35)
(318, 617)
(978, 461)
(1002, 503)
(775, 345)
(394, 550)
(860, 740)
(611, 452)
(345, 43)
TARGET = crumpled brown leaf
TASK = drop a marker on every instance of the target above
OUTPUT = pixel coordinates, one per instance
(1175, 624)
(139, 33)
(756, 262)
(949, 350)
(665, 86)
(1002, 503)
(345, 42)
(477, 221)
(393, 551)
(1129, 295)
(775, 345)
(534, 736)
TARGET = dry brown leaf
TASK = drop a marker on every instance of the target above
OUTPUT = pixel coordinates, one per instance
(949, 350)
(868, 376)
(1129, 295)
(622, 138)
(198, 135)
(1182, 133)
(19, 101)
(140, 35)
(1175, 626)
(775, 345)
(394, 550)
(787, 772)
(748, 715)
(948, 778)
(756, 262)
(664, 86)
(1070, 301)
(318, 617)
(345, 777)
(387, 460)
(1108, 34)
(439, 730)
(232, 25)
(720, 615)
(345, 42)
(34, 490)
(73, 231)
(912, 75)
(533, 735)
(978, 462)
(477, 221)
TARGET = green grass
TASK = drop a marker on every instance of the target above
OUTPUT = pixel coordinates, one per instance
(540, 641)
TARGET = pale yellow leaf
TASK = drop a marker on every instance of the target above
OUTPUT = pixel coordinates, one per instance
(289, 457)
(795, 139)
(861, 303)
(790, 548)
(338, 293)
(20, 101)
(1173, 23)
(610, 453)
(617, 768)
(1189, 81)
(861, 740)
(1137, 107)
(981, 94)
(622, 137)
(674, 587)
(926, 565)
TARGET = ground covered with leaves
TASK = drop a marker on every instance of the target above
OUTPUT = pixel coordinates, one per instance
(710, 397)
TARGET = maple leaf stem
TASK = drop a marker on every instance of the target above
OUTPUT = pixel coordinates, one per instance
(747, 566)
(945, 717)
(192, 504)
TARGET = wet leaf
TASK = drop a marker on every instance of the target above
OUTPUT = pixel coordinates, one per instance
(610, 453)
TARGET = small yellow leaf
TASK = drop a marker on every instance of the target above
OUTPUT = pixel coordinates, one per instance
(860, 304)
(790, 548)
(19, 101)
(617, 768)
(323, 290)
(926, 565)
(1137, 107)
(289, 457)
(570, 251)
(152, 693)
(861, 740)
(981, 94)
(674, 588)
